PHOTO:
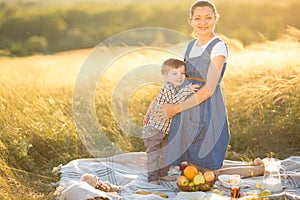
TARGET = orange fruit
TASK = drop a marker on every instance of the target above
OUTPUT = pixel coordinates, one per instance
(190, 171)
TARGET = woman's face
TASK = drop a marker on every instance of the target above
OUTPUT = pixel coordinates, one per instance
(176, 76)
(203, 21)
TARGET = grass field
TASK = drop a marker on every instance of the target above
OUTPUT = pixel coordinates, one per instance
(37, 129)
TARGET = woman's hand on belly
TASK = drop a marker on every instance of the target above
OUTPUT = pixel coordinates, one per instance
(166, 111)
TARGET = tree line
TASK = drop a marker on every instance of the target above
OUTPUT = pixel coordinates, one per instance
(27, 28)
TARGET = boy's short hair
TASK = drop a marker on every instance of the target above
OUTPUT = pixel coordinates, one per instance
(171, 63)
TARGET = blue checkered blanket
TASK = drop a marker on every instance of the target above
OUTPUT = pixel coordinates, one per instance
(129, 172)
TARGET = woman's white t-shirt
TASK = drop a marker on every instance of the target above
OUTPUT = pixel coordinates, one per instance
(217, 50)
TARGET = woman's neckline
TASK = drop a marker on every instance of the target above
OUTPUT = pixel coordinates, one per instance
(202, 43)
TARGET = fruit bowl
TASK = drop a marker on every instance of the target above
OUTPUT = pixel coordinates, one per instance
(192, 180)
(201, 187)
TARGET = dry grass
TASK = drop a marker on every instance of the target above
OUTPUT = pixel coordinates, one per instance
(37, 130)
(262, 91)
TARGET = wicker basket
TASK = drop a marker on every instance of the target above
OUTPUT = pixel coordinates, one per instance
(201, 187)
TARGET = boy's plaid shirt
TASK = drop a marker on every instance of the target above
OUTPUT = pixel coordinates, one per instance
(168, 94)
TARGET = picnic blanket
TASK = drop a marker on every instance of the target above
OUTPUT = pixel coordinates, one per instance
(129, 172)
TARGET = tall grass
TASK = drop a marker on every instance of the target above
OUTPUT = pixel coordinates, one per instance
(36, 127)
(37, 130)
(263, 91)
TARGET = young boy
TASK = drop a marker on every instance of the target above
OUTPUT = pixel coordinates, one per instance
(155, 133)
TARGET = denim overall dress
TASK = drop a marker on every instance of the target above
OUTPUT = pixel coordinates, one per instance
(200, 135)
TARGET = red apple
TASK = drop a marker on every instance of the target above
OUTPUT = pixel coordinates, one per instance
(183, 181)
(209, 175)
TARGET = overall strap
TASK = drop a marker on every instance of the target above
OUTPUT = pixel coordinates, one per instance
(189, 48)
(211, 45)
(209, 49)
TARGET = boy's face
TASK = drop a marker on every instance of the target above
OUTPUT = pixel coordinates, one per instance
(176, 76)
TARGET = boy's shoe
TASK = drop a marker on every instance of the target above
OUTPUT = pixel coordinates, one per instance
(154, 182)
(168, 178)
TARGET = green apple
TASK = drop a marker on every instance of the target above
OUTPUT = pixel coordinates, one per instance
(199, 179)
(265, 193)
(191, 184)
